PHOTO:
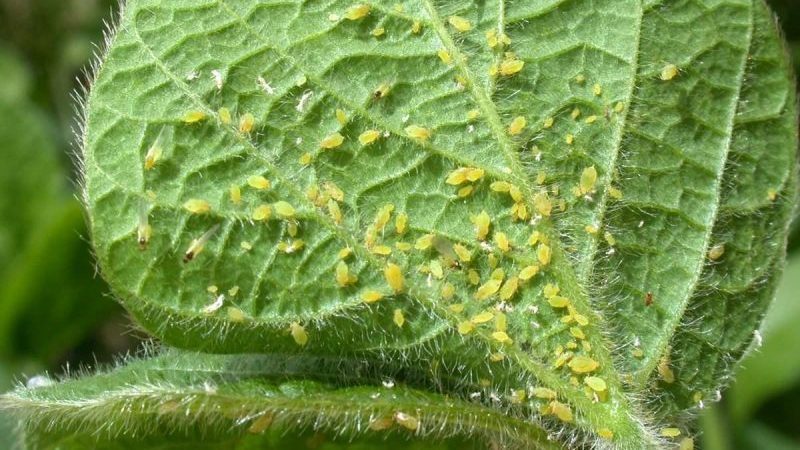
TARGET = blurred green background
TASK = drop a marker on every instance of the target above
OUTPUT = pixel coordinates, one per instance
(56, 314)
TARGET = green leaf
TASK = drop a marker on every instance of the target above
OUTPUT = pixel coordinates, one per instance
(651, 145)
(246, 402)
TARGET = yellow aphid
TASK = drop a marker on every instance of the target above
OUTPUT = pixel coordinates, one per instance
(425, 242)
(588, 180)
(197, 206)
(517, 396)
(332, 141)
(619, 107)
(369, 136)
(284, 209)
(544, 254)
(610, 239)
(465, 191)
(246, 123)
(466, 327)
(406, 421)
(358, 11)
(535, 238)
(298, 334)
(233, 291)
(482, 223)
(605, 433)
(343, 276)
(341, 117)
(345, 253)
(416, 27)
(491, 38)
(669, 72)
(501, 322)
(550, 290)
(143, 231)
(591, 229)
(583, 364)
(459, 23)
(154, 154)
(686, 443)
(575, 113)
(448, 291)
(577, 333)
(597, 90)
(378, 32)
(498, 274)
(664, 371)
(194, 116)
(502, 337)
(488, 289)
(542, 203)
(246, 246)
(558, 301)
(502, 242)
(334, 211)
(615, 193)
(384, 216)
(235, 194)
(333, 191)
(569, 139)
(262, 213)
(670, 432)
(394, 277)
(482, 317)
(562, 411)
(371, 296)
(258, 182)
(444, 55)
(464, 255)
(474, 277)
(517, 125)
(637, 353)
(716, 252)
(457, 308)
(580, 319)
(224, 116)
(380, 423)
(417, 132)
(511, 66)
(383, 250)
(235, 314)
(528, 272)
(591, 119)
(401, 223)
(772, 195)
(500, 186)
(260, 425)
(596, 384)
(403, 246)
(548, 122)
(509, 288)
(398, 318)
(580, 78)
(543, 393)
(436, 269)
(473, 114)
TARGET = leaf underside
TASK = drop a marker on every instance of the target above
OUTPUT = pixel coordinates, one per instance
(684, 111)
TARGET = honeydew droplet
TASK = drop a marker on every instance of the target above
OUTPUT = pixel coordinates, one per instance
(417, 132)
(194, 117)
(284, 209)
(258, 182)
(398, 318)
(246, 123)
(262, 213)
(331, 141)
(197, 206)
(299, 334)
(517, 125)
(369, 136)
(669, 72)
(394, 277)
(459, 23)
(357, 11)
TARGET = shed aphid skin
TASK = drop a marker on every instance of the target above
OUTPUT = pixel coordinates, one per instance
(716, 252)
(197, 206)
(299, 334)
(214, 306)
(216, 75)
(418, 133)
(369, 136)
(406, 421)
(357, 11)
(304, 99)
(394, 277)
(398, 318)
(669, 72)
(517, 125)
(445, 56)
(194, 116)
(482, 223)
(197, 245)
(246, 123)
(224, 115)
(262, 213)
(343, 276)
(459, 23)
(284, 210)
(331, 141)
(258, 182)
(155, 152)
(265, 86)
(143, 230)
